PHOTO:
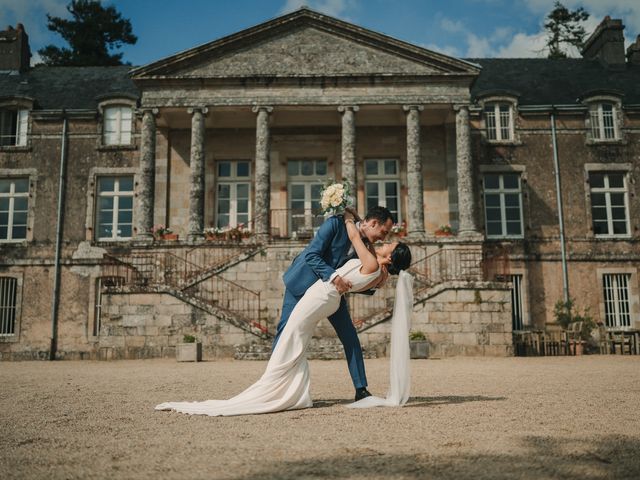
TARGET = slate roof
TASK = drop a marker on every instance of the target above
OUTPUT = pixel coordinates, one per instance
(68, 87)
(542, 81)
(536, 81)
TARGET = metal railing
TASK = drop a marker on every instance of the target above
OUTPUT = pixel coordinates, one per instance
(449, 264)
(443, 265)
(148, 270)
(291, 223)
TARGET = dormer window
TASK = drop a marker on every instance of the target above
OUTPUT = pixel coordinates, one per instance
(498, 117)
(117, 125)
(13, 127)
(603, 121)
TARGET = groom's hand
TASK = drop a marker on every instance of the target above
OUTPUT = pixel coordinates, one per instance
(341, 284)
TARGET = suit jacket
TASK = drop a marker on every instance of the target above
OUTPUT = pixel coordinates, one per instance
(320, 259)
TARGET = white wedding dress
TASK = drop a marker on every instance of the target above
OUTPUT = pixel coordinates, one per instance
(285, 383)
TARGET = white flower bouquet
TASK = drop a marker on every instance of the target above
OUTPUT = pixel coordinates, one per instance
(335, 197)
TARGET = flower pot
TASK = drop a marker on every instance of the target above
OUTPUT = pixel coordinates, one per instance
(444, 234)
(189, 352)
(577, 347)
(419, 349)
(169, 236)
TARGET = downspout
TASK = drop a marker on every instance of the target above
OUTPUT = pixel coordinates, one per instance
(556, 165)
(60, 214)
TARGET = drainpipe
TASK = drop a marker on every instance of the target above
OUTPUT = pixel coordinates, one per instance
(556, 165)
(60, 214)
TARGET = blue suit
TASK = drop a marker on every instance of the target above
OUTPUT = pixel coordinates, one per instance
(325, 253)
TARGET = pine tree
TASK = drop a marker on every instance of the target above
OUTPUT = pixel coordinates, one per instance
(92, 33)
(564, 27)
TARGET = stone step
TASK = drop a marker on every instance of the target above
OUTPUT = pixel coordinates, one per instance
(319, 349)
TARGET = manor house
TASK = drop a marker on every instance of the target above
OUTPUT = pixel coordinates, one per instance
(139, 205)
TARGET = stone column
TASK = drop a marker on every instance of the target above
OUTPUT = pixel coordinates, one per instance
(196, 192)
(349, 146)
(263, 172)
(414, 171)
(464, 167)
(146, 178)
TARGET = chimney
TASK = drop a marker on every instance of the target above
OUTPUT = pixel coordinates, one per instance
(606, 43)
(15, 53)
(633, 52)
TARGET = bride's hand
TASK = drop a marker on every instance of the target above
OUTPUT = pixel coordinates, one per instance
(352, 230)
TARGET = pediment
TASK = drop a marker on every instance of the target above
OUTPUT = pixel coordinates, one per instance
(305, 43)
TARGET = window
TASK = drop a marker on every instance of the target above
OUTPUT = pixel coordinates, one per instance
(117, 125)
(609, 210)
(115, 208)
(616, 300)
(306, 179)
(13, 127)
(603, 121)
(14, 208)
(233, 200)
(498, 119)
(517, 320)
(503, 205)
(382, 185)
(8, 306)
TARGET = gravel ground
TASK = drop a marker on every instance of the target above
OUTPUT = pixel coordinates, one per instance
(493, 418)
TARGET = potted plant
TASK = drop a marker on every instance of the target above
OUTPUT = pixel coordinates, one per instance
(418, 345)
(189, 350)
(444, 231)
(160, 232)
(213, 233)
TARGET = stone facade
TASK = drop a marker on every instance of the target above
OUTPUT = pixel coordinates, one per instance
(297, 100)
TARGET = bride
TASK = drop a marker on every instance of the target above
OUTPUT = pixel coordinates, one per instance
(285, 383)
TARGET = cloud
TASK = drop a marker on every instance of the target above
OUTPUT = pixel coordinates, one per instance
(33, 15)
(335, 8)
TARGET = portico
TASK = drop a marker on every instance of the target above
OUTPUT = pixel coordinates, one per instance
(251, 125)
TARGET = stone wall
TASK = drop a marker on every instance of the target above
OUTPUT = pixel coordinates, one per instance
(458, 319)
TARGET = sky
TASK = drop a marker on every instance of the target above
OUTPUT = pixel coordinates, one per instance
(460, 28)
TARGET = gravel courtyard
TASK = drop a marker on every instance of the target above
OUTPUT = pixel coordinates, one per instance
(493, 418)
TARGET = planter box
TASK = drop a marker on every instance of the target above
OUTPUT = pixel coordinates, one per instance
(189, 352)
(419, 349)
(169, 236)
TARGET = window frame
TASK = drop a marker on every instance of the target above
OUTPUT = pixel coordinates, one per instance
(596, 103)
(495, 101)
(381, 179)
(607, 192)
(31, 175)
(15, 337)
(233, 181)
(116, 102)
(501, 191)
(312, 220)
(116, 194)
(23, 106)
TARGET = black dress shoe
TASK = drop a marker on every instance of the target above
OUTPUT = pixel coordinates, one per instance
(362, 393)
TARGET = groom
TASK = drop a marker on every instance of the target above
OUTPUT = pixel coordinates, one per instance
(329, 250)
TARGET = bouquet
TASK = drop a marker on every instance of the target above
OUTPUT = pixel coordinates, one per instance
(335, 197)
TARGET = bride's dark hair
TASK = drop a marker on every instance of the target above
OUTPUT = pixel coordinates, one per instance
(400, 259)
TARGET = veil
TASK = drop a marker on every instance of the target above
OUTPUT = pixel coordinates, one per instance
(400, 369)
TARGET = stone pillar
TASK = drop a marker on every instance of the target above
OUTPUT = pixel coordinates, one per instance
(146, 178)
(196, 191)
(263, 171)
(349, 146)
(464, 167)
(414, 171)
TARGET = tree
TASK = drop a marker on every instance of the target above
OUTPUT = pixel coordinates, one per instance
(92, 33)
(564, 27)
